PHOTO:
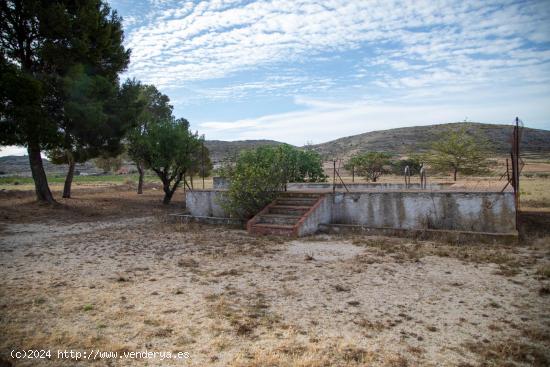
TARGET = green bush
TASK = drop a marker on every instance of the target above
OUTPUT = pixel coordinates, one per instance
(260, 174)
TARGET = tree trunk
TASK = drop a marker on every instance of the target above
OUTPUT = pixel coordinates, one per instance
(42, 189)
(167, 192)
(167, 197)
(69, 178)
(455, 172)
(140, 180)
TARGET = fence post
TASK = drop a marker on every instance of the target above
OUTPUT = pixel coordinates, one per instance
(334, 175)
(202, 162)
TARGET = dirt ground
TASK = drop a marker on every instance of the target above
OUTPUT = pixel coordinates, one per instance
(109, 271)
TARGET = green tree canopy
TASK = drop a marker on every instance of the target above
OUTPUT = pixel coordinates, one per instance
(153, 107)
(60, 63)
(413, 161)
(259, 174)
(370, 165)
(457, 151)
(169, 148)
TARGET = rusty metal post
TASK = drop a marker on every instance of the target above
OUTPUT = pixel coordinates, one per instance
(334, 175)
(515, 168)
(202, 162)
(353, 173)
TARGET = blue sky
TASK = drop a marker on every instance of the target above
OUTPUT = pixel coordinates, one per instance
(312, 71)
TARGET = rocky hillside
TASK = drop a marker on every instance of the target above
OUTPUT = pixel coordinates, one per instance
(19, 166)
(418, 138)
(221, 151)
(400, 141)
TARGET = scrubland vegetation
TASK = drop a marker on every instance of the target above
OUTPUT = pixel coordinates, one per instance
(111, 271)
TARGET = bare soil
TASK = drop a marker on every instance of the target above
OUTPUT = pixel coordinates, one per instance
(108, 270)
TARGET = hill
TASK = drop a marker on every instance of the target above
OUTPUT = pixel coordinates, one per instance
(399, 141)
(19, 166)
(417, 138)
(221, 150)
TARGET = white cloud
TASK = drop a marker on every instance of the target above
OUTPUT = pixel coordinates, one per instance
(322, 121)
(427, 42)
(12, 150)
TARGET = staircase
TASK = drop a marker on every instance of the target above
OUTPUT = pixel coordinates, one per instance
(287, 215)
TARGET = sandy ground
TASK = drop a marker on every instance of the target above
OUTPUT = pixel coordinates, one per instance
(118, 276)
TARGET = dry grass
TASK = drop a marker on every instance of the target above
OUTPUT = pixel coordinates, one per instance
(535, 193)
(507, 258)
(132, 281)
(293, 353)
(509, 352)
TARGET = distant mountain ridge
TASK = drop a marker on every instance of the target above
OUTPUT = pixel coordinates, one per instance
(221, 150)
(405, 140)
(398, 141)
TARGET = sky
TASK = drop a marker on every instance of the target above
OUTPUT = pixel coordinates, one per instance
(312, 71)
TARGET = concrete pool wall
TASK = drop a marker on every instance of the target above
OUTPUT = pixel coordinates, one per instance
(488, 212)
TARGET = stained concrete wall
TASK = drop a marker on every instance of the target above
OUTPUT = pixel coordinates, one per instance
(220, 183)
(321, 214)
(384, 186)
(205, 203)
(492, 212)
(465, 211)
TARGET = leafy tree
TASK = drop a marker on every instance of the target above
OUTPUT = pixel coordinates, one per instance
(108, 164)
(413, 161)
(260, 174)
(42, 44)
(457, 151)
(153, 107)
(202, 165)
(71, 158)
(370, 165)
(168, 148)
(97, 116)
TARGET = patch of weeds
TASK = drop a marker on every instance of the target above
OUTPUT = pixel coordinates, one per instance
(370, 325)
(212, 297)
(244, 318)
(40, 301)
(507, 270)
(396, 361)
(544, 291)
(543, 272)
(188, 262)
(122, 278)
(509, 351)
(163, 333)
(309, 257)
(537, 334)
(341, 288)
(151, 322)
(230, 272)
(350, 353)
(494, 304)
(88, 307)
(416, 351)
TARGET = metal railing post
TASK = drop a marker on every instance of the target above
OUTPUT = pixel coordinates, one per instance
(334, 175)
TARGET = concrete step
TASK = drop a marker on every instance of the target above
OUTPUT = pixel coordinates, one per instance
(272, 229)
(288, 209)
(279, 219)
(291, 194)
(296, 201)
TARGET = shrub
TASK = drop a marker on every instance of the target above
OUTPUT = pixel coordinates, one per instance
(258, 175)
